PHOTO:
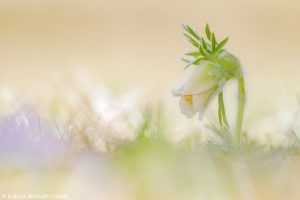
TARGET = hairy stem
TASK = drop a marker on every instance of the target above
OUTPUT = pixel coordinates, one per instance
(241, 107)
(222, 112)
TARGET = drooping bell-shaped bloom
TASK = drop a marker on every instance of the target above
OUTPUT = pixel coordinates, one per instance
(199, 89)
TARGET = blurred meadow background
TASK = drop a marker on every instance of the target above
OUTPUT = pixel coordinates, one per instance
(137, 44)
(87, 109)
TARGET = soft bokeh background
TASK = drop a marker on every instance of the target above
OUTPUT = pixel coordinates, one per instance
(116, 53)
(137, 44)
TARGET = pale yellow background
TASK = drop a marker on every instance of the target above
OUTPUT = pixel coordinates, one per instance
(136, 43)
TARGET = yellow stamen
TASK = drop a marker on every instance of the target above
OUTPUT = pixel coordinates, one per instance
(189, 99)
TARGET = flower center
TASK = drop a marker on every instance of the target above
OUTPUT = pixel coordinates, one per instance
(189, 99)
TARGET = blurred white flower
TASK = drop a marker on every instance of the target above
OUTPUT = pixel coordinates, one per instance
(100, 120)
(276, 130)
(120, 115)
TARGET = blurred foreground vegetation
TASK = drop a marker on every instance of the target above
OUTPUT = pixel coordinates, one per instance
(84, 155)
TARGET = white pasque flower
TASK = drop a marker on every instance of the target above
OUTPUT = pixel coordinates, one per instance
(199, 89)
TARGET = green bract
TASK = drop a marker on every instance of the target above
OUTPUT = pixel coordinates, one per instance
(211, 50)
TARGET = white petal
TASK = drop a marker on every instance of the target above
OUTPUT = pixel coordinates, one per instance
(200, 79)
(186, 108)
(202, 100)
